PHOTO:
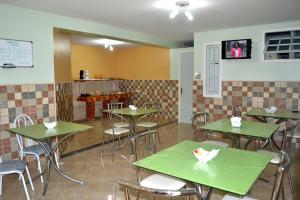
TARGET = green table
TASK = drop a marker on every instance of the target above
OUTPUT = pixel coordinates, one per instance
(233, 170)
(133, 114)
(45, 137)
(281, 115)
(248, 128)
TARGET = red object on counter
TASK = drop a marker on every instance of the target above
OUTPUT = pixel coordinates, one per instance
(106, 99)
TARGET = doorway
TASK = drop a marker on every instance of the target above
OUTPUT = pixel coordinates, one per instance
(186, 77)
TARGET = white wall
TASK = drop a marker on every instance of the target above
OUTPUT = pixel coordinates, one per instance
(254, 69)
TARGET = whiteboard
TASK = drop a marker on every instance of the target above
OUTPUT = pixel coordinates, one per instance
(15, 53)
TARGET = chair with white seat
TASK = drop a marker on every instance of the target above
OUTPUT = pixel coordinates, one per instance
(287, 139)
(116, 131)
(36, 150)
(186, 192)
(278, 187)
(15, 167)
(150, 121)
(122, 123)
(154, 181)
(200, 119)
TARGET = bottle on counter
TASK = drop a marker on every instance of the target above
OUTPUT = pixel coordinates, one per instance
(81, 74)
(87, 75)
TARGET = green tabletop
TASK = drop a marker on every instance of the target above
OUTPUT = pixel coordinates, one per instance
(39, 131)
(233, 170)
(279, 114)
(248, 128)
(138, 112)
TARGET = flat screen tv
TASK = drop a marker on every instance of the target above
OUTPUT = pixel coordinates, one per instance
(236, 49)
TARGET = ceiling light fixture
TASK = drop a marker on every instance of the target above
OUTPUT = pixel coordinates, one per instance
(182, 6)
(108, 44)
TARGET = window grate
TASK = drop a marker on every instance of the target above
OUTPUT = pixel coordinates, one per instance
(282, 45)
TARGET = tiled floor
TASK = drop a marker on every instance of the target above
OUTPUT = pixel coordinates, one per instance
(100, 174)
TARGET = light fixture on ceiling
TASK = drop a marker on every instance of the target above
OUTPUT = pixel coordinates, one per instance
(108, 44)
(182, 6)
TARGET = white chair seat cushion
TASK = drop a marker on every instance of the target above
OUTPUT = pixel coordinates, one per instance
(147, 124)
(158, 181)
(116, 131)
(275, 156)
(217, 143)
(230, 197)
(121, 125)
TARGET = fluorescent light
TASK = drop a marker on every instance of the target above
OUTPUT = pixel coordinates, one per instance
(188, 15)
(111, 48)
(171, 4)
(108, 41)
(174, 13)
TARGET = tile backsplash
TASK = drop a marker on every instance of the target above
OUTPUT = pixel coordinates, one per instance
(35, 100)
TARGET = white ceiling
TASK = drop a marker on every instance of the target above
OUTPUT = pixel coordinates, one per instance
(143, 16)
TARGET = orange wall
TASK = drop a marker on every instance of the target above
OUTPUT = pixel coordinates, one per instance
(143, 63)
(97, 60)
(135, 63)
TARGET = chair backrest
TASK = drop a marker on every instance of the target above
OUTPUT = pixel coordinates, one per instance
(134, 142)
(22, 120)
(168, 193)
(151, 116)
(237, 111)
(115, 105)
(288, 134)
(199, 119)
(281, 170)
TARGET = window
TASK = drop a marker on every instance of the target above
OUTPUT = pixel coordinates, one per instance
(282, 45)
(212, 83)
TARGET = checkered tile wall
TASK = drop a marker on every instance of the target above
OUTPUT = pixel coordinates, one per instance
(36, 100)
(164, 91)
(64, 101)
(249, 94)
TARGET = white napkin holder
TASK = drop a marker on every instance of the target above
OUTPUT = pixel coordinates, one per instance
(236, 121)
(132, 107)
(271, 110)
(204, 156)
(50, 125)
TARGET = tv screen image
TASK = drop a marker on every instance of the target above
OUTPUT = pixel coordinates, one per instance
(236, 49)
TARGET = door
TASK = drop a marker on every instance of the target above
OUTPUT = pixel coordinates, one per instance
(186, 78)
(212, 71)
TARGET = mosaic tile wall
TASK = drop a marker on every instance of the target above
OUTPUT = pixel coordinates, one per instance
(164, 91)
(249, 94)
(35, 100)
(64, 101)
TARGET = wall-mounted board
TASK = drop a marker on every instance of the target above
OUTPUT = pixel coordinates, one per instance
(15, 53)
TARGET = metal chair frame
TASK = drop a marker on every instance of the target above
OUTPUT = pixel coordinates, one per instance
(286, 146)
(113, 132)
(20, 173)
(204, 118)
(187, 192)
(25, 120)
(118, 105)
(149, 118)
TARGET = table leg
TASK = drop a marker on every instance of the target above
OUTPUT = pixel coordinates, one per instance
(90, 111)
(200, 195)
(50, 159)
